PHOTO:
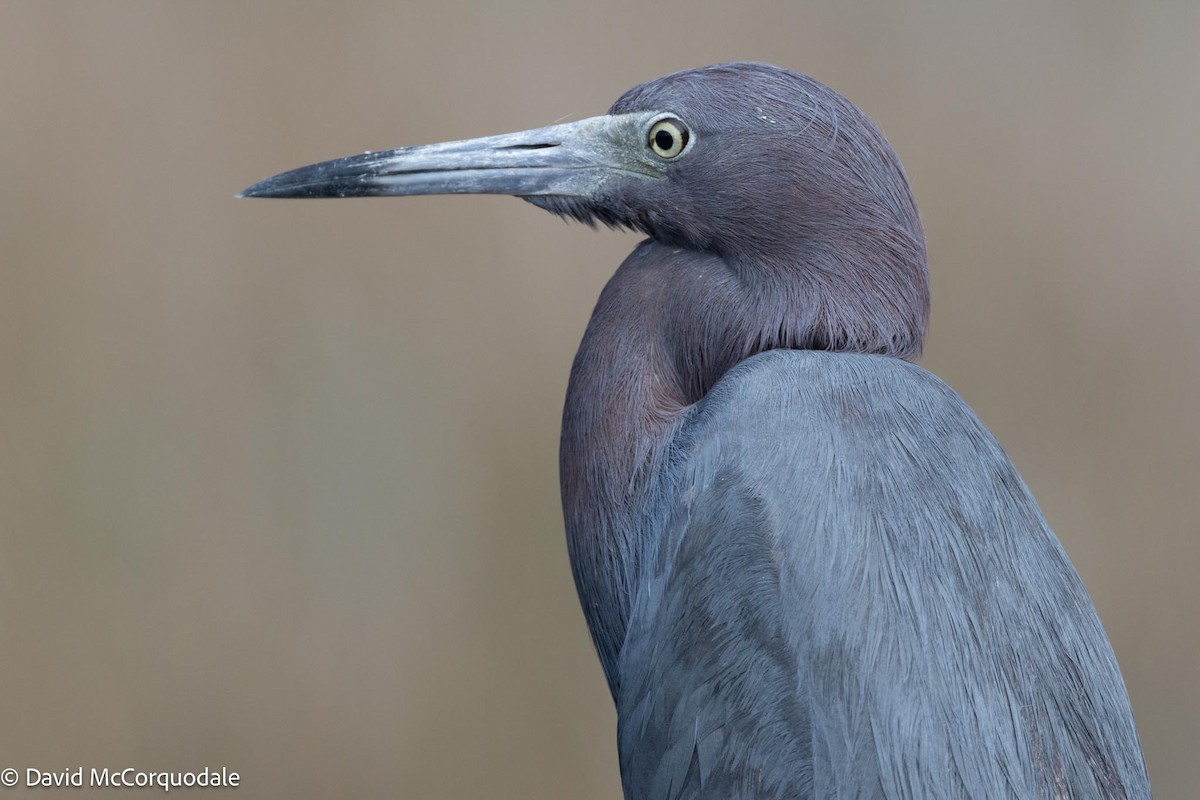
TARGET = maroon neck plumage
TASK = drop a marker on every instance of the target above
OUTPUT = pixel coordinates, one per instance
(668, 325)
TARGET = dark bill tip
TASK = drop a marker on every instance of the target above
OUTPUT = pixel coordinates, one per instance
(343, 177)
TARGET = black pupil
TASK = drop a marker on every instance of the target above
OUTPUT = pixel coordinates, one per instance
(664, 140)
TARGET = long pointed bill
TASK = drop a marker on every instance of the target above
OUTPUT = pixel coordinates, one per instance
(570, 160)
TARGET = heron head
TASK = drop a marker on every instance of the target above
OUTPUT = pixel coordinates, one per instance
(749, 159)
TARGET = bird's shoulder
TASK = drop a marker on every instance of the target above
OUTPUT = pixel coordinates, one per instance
(821, 398)
(806, 431)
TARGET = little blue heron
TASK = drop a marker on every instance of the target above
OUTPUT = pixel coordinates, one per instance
(808, 569)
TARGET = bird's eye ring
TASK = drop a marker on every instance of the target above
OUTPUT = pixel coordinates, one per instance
(668, 138)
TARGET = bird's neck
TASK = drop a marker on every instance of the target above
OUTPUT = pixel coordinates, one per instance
(621, 400)
(668, 325)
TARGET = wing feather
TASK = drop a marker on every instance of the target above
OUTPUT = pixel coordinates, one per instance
(854, 595)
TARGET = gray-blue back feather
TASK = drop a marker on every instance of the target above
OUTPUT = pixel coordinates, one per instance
(779, 645)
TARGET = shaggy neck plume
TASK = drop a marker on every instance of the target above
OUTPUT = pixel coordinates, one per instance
(668, 325)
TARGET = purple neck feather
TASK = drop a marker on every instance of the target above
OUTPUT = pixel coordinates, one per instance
(668, 325)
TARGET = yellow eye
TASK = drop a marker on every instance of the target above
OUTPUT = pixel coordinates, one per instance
(667, 138)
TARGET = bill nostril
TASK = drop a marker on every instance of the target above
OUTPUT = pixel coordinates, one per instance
(538, 146)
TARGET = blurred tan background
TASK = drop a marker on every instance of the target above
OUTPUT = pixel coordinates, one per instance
(278, 483)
